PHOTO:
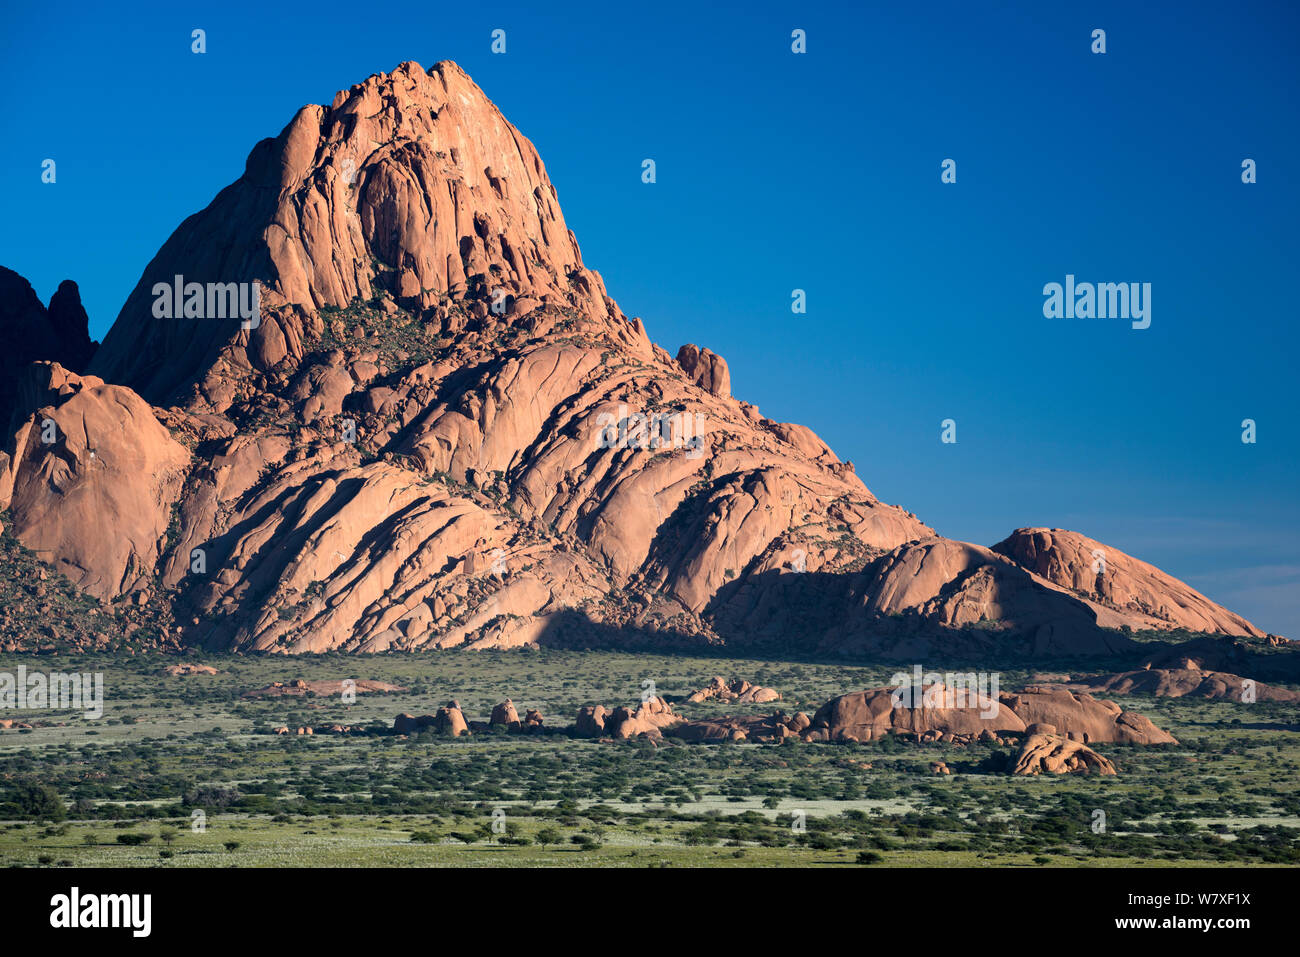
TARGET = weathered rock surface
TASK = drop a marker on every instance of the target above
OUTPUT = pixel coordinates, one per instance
(322, 688)
(97, 497)
(1053, 754)
(1080, 714)
(869, 715)
(1182, 682)
(31, 332)
(650, 718)
(504, 714)
(706, 369)
(1104, 574)
(737, 689)
(441, 431)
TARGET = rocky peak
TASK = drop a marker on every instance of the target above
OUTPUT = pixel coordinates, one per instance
(411, 183)
(437, 430)
(31, 332)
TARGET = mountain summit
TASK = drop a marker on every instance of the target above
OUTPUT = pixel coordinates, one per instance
(437, 429)
(410, 185)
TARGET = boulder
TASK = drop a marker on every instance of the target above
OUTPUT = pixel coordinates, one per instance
(706, 369)
(505, 715)
(1183, 682)
(450, 720)
(1094, 719)
(869, 715)
(109, 464)
(590, 721)
(738, 689)
(1053, 754)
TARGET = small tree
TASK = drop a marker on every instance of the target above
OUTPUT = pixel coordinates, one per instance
(37, 802)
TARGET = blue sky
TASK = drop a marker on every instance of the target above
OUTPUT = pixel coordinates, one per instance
(819, 171)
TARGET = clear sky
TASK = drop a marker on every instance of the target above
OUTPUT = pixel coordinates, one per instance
(818, 171)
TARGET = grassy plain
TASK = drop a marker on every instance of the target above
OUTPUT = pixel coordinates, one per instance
(172, 749)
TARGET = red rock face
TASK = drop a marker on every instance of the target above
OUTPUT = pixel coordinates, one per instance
(1081, 716)
(1180, 682)
(411, 182)
(1118, 582)
(90, 480)
(1052, 754)
(441, 431)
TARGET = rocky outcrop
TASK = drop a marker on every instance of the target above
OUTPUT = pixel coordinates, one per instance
(505, 715)
(590, 721)
(1106, 575)
(437, 430)
(71, 327)
(962, 715)
(766, 729)
(1053, 754)
(1183, 682)
(1084, 718)
(31, 332)
(90, 478)
(449, 720)
(650, 719)
(706, 369)
(190, 669)
(446, 432)
(326, 688)
(870, 715)
(737, 689)
(411, 183)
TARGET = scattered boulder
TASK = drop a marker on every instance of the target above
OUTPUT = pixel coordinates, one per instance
(768, 729)
(1183, 682)
(328, 688)
(738, 689)
(590, 721)
(406, 723)
(505, 715)
(187, 668)
(1053, 754)
(649, 719)
(450, 720)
